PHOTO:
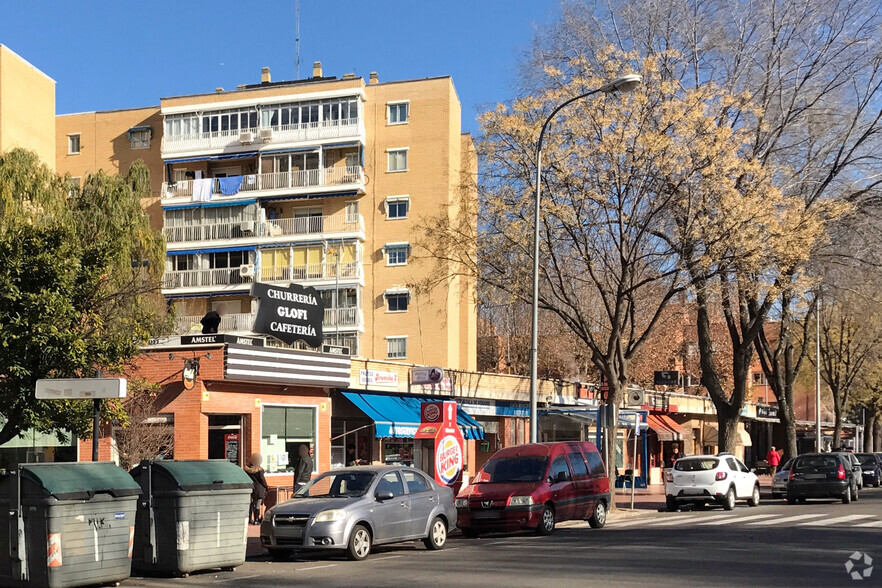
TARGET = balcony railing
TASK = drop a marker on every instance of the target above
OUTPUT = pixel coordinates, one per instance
(243, 322)
(233, 276)
(280, 134)
(282, 227)
(278, 181)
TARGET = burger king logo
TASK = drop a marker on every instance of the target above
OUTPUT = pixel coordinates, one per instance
(448, 459)
(431, 412)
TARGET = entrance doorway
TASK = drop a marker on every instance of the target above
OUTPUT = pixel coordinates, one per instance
(225, 436)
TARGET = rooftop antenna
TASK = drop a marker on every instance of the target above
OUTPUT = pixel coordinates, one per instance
(297, 35)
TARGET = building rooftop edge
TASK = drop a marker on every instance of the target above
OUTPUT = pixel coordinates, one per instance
(28, 63)
(109, 110)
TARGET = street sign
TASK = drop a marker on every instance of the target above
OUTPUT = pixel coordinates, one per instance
(666, 378)
(81, 388)
(335, 349)
(426, 375)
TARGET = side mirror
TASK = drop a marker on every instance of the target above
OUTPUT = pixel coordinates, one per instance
(752, 470)
(384, 496)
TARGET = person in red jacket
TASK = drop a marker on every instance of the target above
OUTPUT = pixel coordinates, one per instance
(774, 459)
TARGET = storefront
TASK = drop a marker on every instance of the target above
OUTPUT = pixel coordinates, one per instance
(506, 423)
(34, 447)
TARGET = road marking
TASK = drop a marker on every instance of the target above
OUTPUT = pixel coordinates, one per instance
(689, 519)
(836, 520)
(789, 519)
(737, 519)
(316, 567)
(870, 524)
(386, 557)
(236, 579)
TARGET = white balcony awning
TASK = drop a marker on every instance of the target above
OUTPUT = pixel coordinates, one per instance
(396, 290)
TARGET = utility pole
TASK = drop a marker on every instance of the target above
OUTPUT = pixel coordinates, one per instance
(819, 446)
(297, 37)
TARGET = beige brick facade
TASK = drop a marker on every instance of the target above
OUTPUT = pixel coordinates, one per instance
(27, 107)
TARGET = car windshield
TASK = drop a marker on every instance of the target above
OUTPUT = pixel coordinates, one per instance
(867, 460)
(816, 463)
(337, 485)
(513, 469)
(696, 465)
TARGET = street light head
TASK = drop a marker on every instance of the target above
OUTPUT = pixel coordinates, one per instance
(623, 84)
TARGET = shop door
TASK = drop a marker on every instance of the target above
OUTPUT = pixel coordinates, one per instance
(225, 437)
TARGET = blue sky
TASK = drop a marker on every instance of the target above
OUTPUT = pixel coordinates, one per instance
(121, 54)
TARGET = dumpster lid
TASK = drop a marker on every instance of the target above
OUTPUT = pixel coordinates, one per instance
(81, 481)
(199, 474)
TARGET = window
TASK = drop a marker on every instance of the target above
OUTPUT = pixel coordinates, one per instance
(181, 263)
(558, 467)
(397, 112)
(415, 482)
(225, 259)
(73, 187)
(397, 207)
(391, 483)
(732, 465)
(505, 470)
(73, 144)
(697, 464)
(139, 138)
(397, 160)
(397, 302)
(283, 431)
(352, 212)
(396, 255)
(396, 347)
(595, 464)
(580, 470)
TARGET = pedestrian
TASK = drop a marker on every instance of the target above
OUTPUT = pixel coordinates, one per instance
(303, 471)
(675, 454)
(774, 459)
(351, 456)
(258, 493)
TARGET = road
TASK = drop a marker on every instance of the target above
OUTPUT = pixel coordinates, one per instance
(774, 544)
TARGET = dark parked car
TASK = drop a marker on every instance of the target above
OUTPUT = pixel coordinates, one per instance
(871, 468)
(852, 460)
(779, 482)
(353, 509)
(821, 475)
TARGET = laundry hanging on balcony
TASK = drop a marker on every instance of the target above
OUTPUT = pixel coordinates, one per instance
(230, 185)
(202, 189)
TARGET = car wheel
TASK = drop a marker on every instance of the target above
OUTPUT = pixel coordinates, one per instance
(776, 495)
(854, 495)
(598, 517)
(671, 504)
(802, 499)
(546, 521)
(279, 554)
(470, 533)
(846, 498)
(754, 499)
(791, 499)
(359, 543)
(437, 535)
(876, 484)
(729, 499)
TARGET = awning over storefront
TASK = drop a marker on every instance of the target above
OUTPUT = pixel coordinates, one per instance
(712, 436)
(666, 428)
(397, 415)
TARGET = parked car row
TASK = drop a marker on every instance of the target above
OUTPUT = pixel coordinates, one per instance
(710, 479)
(827, 475)
(351, 510)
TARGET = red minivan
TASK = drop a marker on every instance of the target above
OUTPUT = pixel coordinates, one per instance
(534, 486)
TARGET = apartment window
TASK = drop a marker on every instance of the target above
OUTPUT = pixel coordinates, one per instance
(397, 302)
(139, 137)
(182, 263)
(397, 207)
(396, 347)
(352, 212)
(396, 254)
(73, 144)
(397, 112)
(225, 259)
(397, 160)
(283, 430)
(73, 186)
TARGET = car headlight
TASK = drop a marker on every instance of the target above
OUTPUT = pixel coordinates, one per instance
(520, 501)
(330, 516)
(461, 502)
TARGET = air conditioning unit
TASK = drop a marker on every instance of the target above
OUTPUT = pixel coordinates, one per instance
(247, 227)
(246, 271)
(266, 135)
(635, 398)
(246, 137)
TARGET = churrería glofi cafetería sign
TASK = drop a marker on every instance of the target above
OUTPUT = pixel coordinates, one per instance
(290, 314)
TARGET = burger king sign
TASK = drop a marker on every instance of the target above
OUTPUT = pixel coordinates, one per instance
(439, 423)
(448, 459)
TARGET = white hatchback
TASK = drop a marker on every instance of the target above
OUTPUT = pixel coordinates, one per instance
(705, 479)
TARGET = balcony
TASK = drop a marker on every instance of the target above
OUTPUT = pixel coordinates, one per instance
(242, 323)
(251, 139)
(233, 280)
(290, 182)
(269, 230)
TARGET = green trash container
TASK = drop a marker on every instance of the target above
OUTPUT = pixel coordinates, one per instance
(69, 524)
(193, 515)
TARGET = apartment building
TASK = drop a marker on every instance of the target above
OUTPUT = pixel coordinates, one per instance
(319, 182)
(27, 107)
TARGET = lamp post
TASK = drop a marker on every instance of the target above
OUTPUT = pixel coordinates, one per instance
(621, 84)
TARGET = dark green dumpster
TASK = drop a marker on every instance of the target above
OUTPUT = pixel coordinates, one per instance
(193, 515)
(69, 524)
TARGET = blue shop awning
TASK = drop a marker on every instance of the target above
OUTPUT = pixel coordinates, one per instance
(397, 415)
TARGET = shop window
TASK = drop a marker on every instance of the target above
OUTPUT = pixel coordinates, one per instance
(283, 431)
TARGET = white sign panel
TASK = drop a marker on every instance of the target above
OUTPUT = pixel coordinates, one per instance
(81, 388)
(378, 378)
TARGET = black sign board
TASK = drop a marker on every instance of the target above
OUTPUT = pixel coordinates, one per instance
(335, 349)
(766, 412)
(216, 338)
(666, 378)
(289, 314)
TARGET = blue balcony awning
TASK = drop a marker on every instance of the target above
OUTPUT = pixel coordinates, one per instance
(213, 157)
(310, 196)
(398, 415)
(211, 204)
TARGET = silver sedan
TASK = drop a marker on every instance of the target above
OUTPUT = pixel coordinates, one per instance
(356, 508)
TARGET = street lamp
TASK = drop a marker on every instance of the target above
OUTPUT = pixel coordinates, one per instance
(621, 84)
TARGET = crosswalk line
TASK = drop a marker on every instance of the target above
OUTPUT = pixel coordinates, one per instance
(786, 520)
(836, 521)
(689, 519)
(870, 524)
(737, 519)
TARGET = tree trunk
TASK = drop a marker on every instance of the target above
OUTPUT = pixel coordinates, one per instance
(788, 418)
(837, 418)
(610, 435)
(727, 423)
(869, 426)
(877, 433)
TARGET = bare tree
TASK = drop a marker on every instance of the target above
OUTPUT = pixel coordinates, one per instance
(144, 434)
